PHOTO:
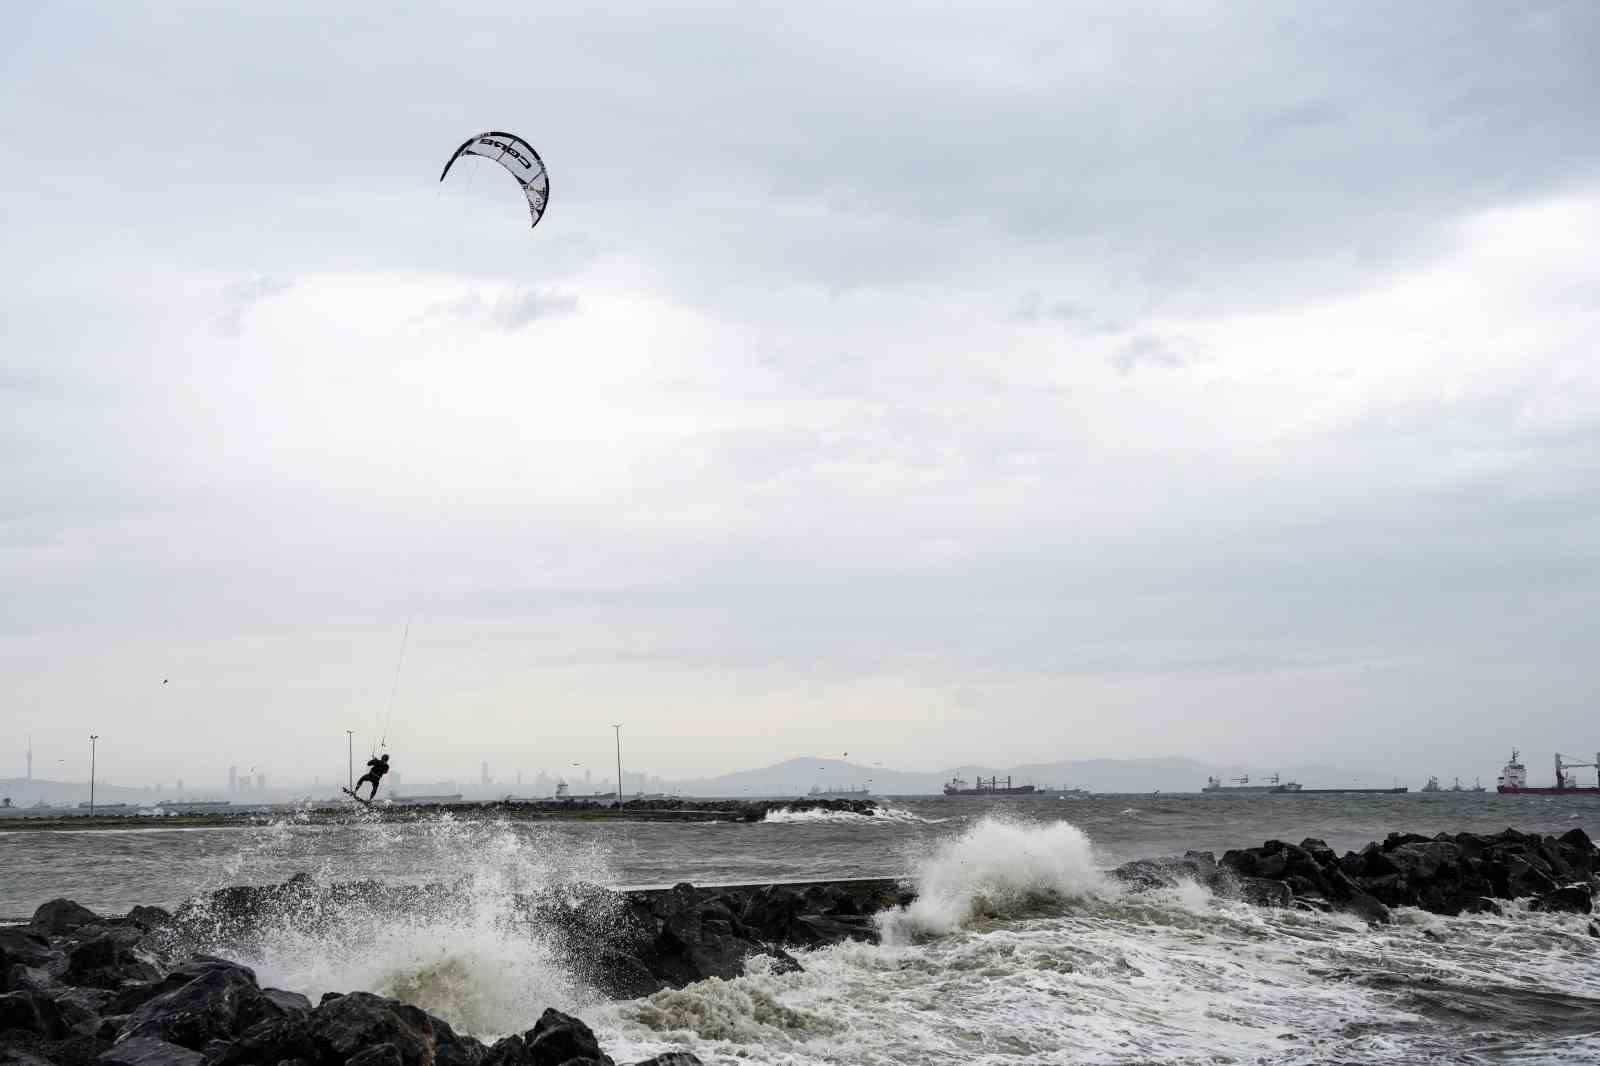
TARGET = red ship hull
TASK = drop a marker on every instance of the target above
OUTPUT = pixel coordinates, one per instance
(1530, 791)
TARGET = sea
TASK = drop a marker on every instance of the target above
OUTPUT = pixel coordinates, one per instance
(1018, 949)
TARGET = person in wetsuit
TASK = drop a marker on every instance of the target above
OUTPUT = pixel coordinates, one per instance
(376, 768)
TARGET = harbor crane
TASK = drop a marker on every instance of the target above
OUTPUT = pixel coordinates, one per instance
(1561, 767)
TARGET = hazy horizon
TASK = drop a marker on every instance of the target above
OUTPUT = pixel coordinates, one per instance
(938, 386)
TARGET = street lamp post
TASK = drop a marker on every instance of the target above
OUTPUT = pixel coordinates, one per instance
(618, 728)
(92, 738)
(350, 759)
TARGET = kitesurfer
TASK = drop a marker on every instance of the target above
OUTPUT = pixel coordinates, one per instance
(376, 769)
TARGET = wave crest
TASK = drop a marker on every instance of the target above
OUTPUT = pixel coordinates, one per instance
(883, 815)
(997, 868)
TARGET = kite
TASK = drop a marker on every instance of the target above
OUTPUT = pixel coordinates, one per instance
(517, 156)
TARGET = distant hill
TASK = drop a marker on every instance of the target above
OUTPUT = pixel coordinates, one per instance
(1166, 774)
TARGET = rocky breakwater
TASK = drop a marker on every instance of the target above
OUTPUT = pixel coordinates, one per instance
(77, 989)
(624, 944)
(1443, 874)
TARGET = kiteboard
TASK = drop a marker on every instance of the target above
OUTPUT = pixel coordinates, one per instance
(358, 799)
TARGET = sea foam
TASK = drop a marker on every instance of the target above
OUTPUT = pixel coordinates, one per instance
(474, 956)
(997, 868)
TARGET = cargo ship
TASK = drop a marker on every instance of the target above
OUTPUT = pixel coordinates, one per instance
(1243, 785)
(839, 793)
(1514, 779)
(991, 787)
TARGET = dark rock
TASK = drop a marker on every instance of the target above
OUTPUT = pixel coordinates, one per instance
(359, 1020)
(622, 975)
(1577, 838)
(147, 918)
(61, 916)
(1146, 874)
(1568, 899)
(272, 1040)
(510, 1051)
(148, 1051)
(672, 1058)
(377, 1055)
(1423, 861)
(1396, 840)
(33, 1012)
(204, 964)
(1265, 893)
(215, 1005)
(20, 978)
(81, 1007)
(557, 1038)
(131, 997)
(286, 1001)
(22, 946)
(110, 959)
(11, 1056)
(1367, 908)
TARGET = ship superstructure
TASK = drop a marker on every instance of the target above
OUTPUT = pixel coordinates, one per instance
(1243, 785)
(991, 787)
(1514, 778)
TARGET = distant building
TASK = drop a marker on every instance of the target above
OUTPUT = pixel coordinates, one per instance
(233, 779)
(261, 782)
(483, 775)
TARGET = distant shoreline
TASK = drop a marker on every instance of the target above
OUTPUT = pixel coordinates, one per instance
(669, 810)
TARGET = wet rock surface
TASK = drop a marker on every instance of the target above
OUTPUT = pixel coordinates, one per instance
(626, 944)
(1444, 874)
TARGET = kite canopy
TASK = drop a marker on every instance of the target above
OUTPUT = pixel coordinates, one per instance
(517, 156)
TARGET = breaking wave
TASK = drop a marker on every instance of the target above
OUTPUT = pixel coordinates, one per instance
(996, 869)
(474, 952)
(883, 815)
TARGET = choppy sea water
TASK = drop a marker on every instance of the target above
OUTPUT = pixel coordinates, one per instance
(1018, 950)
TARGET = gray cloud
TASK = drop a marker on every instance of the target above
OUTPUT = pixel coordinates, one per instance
(1157, 352)
(805, 437)
(241, 297)
(509, 311)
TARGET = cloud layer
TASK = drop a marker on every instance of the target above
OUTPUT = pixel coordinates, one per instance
(976, 385)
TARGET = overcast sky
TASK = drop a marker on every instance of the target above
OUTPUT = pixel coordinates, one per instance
(999, 384)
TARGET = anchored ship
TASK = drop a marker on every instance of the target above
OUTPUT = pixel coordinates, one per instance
(839, 793)
(1242, 784)
(1514, 778)
(991, 787)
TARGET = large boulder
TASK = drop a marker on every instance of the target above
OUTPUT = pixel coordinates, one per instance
(558, 1038)
(147, 918)
(148, 1051)
(61, 916)
(1568, 899)
(33, 1012)
(359, 1020)
(111, 959)
(25, 947)
(672, 1058)
(271, 1040)
(216, 1005)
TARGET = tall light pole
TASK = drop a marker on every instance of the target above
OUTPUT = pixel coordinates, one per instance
(92, 738)
(350, 759)
(618, 728)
